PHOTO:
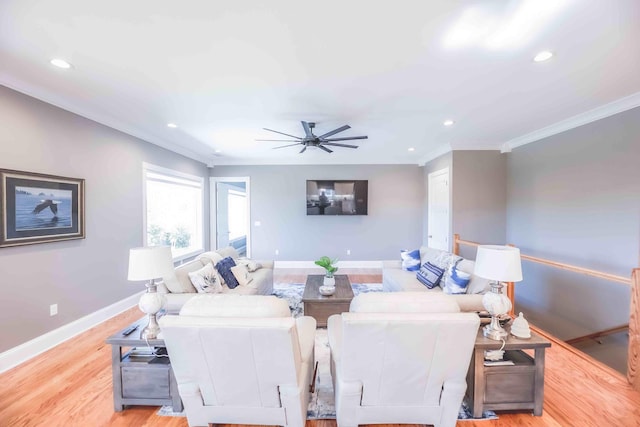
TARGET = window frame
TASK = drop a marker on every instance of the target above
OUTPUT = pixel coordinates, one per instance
(171, 173)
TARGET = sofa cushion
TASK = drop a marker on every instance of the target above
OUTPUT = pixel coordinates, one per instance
(403, 302)
(206, 280)
(455, 281)
(212, 257)
(410, 260)
(477, 284)
(179, 281)
(429, 275)
(229, 251)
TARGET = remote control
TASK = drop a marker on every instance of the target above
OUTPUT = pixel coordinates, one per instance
(129, 330)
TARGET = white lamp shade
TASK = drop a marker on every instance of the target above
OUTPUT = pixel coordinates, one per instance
(499, 263)
(150, 263)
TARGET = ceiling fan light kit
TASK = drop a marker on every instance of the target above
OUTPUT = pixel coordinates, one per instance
(312, 141)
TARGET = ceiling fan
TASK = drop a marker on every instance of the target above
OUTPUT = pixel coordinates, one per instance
(310, 140)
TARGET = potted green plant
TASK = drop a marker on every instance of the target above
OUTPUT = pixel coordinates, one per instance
(330, 269)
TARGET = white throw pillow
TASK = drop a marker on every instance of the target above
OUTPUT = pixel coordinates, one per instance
(251, 265)
(241, 273)
(206, 280)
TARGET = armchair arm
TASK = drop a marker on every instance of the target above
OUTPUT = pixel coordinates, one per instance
(334, 331)
(306, 327)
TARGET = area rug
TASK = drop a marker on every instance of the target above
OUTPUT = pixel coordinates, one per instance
(322, 404)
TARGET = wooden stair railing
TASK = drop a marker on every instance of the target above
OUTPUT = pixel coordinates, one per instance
(633, 362)
(457, 241)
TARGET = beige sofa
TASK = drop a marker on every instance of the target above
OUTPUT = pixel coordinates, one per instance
(395, 279)
(178, 288)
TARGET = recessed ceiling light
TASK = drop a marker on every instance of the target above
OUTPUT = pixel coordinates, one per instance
(172, 125)
(218, 151)
(448, 122)
(60, 63)
(412, 149)
(543, 56)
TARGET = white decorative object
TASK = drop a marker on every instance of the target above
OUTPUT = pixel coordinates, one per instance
(498, 264)
(150, 263)
(520, 327)
(329, 281)
(327, 290)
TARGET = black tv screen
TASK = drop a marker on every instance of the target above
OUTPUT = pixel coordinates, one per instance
(332, 197)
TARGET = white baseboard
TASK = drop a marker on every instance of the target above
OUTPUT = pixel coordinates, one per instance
(30, 349)
(341, 264)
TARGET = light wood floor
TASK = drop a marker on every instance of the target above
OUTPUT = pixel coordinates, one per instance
(70, 385)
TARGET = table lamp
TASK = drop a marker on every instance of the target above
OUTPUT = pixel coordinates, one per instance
(498, 264)
(150, 263)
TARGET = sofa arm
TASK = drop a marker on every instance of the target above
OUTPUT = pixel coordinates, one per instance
(265, 264)
(396, 263)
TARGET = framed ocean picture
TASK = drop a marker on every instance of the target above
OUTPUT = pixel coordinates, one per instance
(38, 208)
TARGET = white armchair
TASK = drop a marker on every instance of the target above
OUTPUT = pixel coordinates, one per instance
(400, 358)
(241, 360)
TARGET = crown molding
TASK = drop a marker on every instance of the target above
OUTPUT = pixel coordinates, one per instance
(446, 148)
(615, 107)
(102, 119)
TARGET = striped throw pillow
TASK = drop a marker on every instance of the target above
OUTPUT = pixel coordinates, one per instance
(429, 275)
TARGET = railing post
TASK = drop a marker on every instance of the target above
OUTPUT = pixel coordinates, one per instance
(511, 292)
(456, 244)
(633, 361)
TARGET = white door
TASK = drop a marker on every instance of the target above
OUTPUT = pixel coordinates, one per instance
(438, 210)
(230, 221)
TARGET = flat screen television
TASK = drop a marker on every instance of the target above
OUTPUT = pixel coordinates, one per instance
(337, 197)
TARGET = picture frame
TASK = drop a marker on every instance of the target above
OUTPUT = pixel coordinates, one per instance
(40, 208)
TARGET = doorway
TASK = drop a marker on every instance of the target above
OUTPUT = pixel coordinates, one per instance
(438, 211)
(230, 219)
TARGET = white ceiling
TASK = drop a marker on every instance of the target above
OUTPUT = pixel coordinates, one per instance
(223, 70)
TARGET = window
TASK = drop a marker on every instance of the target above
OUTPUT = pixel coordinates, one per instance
(173, 210)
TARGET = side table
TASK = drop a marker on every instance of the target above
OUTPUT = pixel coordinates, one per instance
(510, 387)
(141, 380)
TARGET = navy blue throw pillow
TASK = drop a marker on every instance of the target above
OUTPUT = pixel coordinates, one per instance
(224, 268)
(429, 275)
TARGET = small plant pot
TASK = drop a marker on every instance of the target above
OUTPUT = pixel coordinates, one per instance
(329, 281)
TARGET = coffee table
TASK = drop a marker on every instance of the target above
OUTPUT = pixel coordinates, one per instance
(320, 307)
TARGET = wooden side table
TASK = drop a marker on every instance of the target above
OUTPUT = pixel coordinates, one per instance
(511, 387)
(320, 307)
(141, 380)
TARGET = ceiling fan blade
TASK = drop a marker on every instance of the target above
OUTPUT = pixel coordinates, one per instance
(325, 149)
(282, 133)
(346, 138)
(290, 145)
(277, 140)
(333, 132)
(307, 128)
(303, 149)
(339, 145)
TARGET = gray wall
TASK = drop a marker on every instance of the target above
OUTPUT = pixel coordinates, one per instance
(575, 198)
(81, 276)
(479, 197)
(394, 219)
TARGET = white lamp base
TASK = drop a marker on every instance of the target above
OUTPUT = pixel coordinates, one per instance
(497, 304)
(151, 302)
